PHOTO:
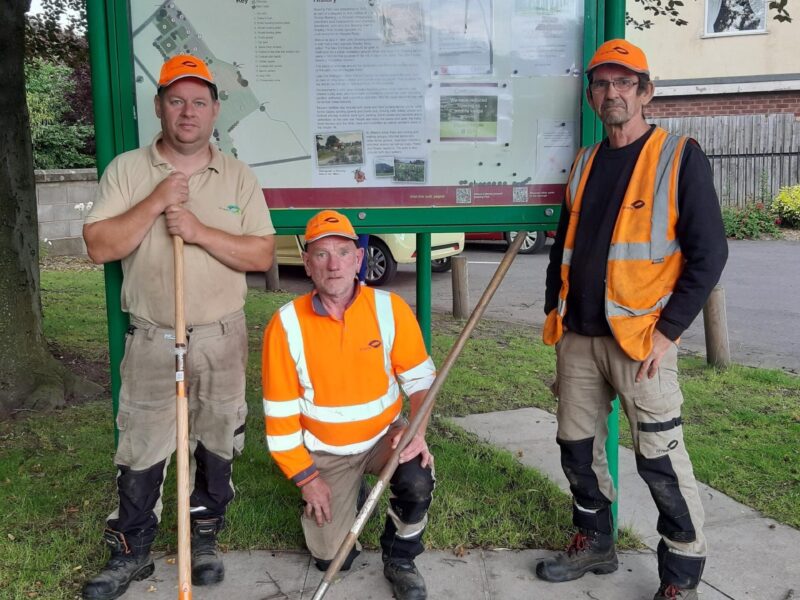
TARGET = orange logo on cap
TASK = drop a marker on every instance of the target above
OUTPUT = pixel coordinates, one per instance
(188, 63)
(331, 220)
(621, 50)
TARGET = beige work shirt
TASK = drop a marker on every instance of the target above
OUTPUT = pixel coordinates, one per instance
(225, 195)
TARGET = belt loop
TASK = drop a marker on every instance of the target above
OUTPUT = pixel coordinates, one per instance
(224, 327)
(151, 332)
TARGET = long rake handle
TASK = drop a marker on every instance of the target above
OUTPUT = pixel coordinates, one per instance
(427, 406)
(182, 430)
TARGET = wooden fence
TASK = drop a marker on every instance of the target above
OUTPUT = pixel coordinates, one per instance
(752, 156)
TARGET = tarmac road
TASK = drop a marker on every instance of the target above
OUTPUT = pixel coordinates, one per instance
(761, 282)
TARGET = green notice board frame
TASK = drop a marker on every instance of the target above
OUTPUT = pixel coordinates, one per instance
(113, 89)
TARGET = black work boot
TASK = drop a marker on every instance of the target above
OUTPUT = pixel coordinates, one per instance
(407, 583)
(588, 551)
(668, 591)
(126, 564)
(207, 567)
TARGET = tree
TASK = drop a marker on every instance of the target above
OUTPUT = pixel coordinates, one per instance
(29, 376)
(671, 9)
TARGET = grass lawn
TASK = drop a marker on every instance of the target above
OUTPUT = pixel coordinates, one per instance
(56, 472)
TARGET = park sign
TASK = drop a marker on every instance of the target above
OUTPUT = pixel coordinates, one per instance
(412, 115)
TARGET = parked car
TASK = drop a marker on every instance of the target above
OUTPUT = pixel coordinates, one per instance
(384, 253)
(534, 242)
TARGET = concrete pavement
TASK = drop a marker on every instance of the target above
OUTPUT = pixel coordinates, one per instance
(751, 556)
(478, 575)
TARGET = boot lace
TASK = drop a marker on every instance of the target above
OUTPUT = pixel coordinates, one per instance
(672, 592)
(578, 544)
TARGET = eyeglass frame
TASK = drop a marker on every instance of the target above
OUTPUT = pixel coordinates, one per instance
(602, 85)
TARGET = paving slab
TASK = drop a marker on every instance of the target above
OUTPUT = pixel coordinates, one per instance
(751, 556)
(477, 575)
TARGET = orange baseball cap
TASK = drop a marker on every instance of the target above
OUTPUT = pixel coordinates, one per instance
(329, 222)
(182, 66)
(620, 52)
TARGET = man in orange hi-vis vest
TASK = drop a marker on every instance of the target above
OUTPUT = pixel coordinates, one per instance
(639, 247)
(336, 365)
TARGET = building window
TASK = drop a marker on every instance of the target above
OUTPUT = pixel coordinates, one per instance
(735, 17)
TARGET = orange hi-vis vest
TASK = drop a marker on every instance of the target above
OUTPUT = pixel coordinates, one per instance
(644, 259)
(335, 386)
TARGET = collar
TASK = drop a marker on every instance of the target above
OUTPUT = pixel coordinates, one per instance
(319, 308)
(216, 162)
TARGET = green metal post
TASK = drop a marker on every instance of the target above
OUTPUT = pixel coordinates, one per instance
(115, 132)
(614, 27)
(424, 286)
(106, 150)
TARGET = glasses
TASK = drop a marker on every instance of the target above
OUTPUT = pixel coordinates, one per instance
(623, 84)
(322, 256)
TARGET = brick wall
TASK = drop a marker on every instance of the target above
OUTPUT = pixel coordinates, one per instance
(725, 104)
(64, 198)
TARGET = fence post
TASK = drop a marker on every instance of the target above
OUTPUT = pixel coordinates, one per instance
(273, 281)
(460, 287)
(715, 322)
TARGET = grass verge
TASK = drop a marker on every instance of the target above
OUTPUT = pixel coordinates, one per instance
(57, 476)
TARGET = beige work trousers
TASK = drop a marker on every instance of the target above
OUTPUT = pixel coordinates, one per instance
(590, 372)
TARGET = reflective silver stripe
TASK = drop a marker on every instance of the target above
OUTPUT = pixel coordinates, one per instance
(618, 310)
(418, 378)
(639, 250)
(314, 444)
(279, 409)
(385, 314)
(294, 338)
(282, 443)
(562, 306)
(661, 199)
(353, 412)
(406, 531)
(577, 173)
(566, 259)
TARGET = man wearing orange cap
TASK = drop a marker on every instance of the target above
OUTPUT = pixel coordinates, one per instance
(640, 245)
(336, 365)
(180, 185)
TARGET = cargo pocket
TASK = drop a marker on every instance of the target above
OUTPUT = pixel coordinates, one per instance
(145, 437)
(659, 423)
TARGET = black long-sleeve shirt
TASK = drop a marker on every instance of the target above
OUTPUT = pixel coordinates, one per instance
(700, 232)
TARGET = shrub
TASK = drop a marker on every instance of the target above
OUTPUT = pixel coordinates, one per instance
(751, 222)
(786, 206)
(56, 144)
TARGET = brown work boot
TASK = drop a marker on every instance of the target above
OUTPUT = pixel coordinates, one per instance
(407, 583)
(673, 592)
(588, 551)
(128, 562)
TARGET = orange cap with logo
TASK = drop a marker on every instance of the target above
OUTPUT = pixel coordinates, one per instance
(620, 52)
(329, 222)
(181, 66)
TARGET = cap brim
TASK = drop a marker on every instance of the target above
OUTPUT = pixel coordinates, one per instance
(343, 234)
(621, 64)
(186, 76)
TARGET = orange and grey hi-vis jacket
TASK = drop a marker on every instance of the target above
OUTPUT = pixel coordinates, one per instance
(644, 259)
(335, 386)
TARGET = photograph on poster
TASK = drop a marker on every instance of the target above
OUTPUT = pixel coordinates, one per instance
(409, 170)
(384, 166)
(403, 23)
(339, 148)
(468, 118)
(733, 17)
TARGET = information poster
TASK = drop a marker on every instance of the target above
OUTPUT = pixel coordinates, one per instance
(381, 102)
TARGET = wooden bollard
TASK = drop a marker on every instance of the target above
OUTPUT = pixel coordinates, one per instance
(715, 322)
(460, 287)
(273, 280)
